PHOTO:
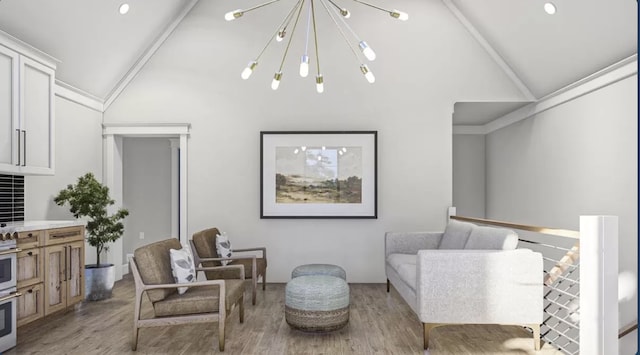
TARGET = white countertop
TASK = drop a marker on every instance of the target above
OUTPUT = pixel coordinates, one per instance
(36, 225)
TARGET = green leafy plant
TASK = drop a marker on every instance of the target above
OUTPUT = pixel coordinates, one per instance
(89, 198)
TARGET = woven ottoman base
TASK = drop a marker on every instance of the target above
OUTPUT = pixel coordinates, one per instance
(316, 321)
(317, 303)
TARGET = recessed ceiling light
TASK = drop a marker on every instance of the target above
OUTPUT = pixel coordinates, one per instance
(124, 8)
(550, 8)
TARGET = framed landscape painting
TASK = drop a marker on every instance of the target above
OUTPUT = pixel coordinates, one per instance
(322, 174)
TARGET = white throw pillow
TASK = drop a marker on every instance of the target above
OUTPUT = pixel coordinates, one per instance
(223, 247)
(183, 267)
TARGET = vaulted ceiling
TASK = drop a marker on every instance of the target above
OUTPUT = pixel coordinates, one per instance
(97, 46)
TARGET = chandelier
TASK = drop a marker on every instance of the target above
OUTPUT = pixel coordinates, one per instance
(337, 14)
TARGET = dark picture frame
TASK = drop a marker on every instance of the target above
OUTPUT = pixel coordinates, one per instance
(318, 174)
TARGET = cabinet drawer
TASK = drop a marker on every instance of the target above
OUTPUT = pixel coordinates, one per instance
(30, 306)
(64, 235)
(30, 239)
(30, 267)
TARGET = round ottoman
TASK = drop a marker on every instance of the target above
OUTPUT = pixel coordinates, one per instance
(317, 303)
(319, 269)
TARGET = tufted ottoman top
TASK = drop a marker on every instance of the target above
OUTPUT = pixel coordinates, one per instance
(319, 269)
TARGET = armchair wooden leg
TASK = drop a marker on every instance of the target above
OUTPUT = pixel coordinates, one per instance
(136, 318)
(254, 286)
(264, 280)
(241, 309)
(387, 285)
(536, 335)
(221, 323)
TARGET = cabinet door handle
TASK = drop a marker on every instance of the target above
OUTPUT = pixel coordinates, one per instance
(24, 143)
(69, 264)
(19, 147)
(65, 263)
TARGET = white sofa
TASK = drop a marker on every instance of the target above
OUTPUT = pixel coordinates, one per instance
(466, 275)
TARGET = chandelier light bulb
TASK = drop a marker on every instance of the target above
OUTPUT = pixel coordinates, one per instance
(232, 15)
(367, 51)
(281, 35)
(367, 73)
(276, 80)
(304, 66)
(319, 84)
(246, 73)
(345, 13)
(402, 16)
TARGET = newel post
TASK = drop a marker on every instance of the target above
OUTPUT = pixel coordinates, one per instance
(598, 285)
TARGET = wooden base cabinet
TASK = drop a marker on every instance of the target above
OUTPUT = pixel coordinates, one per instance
(50, 271)
(64, 275)
(30, 304)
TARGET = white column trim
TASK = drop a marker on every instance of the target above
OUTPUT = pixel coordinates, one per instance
(113, 131)
(175, 179)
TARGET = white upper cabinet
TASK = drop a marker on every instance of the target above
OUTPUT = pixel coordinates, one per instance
(26, 111)
(8, 109)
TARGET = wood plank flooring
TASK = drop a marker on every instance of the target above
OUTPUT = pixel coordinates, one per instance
(380, 323)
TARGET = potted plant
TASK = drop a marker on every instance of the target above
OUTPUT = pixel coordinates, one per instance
(89, 199)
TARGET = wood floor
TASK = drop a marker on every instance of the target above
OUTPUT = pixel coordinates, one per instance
(380, 323)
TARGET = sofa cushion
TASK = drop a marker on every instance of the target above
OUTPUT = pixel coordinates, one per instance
(397, 260)
(492, 238)
(455, 235)
(198, 300)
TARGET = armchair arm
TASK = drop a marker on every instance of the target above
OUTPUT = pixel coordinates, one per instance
(410, 242)
(146, 287)
(262, 249)
(240, 269)
(479, 286)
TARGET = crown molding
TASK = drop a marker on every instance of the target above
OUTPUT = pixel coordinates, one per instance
(24, 48)
(78, 96)
(147, 55)
(605, 77)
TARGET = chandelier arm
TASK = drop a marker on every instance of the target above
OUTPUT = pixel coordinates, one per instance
(334, 4)
(344, 36)
(277, 30)
(315, 35)
(374, 6)
(306, 42)
(259, 6)
(295, 24)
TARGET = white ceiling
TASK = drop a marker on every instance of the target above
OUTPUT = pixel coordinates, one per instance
(98, 46)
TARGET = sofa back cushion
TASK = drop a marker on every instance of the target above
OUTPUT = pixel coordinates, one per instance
(455, 235)
(492, 238)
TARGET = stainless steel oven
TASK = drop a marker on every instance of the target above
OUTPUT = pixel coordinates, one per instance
(8, 291)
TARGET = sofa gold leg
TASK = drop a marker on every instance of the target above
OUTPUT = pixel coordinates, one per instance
(536, 335)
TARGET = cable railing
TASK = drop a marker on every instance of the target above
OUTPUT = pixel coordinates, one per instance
(563, 287)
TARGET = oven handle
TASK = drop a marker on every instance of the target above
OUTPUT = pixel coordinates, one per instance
(13, 295)
(10, 251)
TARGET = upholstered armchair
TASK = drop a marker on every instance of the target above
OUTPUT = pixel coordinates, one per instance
(203, 246)
(206, 301)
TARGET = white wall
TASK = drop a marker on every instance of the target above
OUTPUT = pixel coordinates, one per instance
(469, 175)
(147, 191)
(579, 158)
(424, 65)
(78, 151)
